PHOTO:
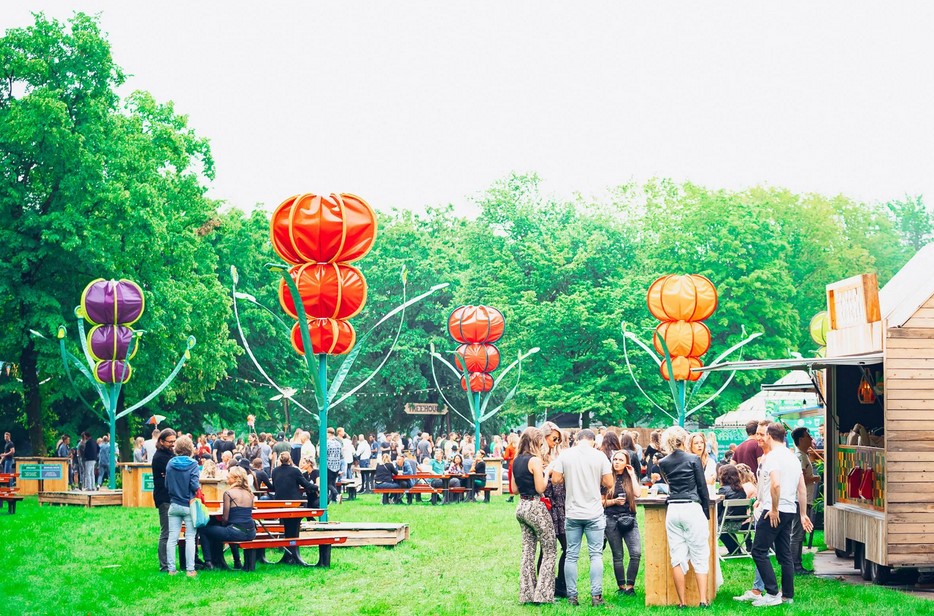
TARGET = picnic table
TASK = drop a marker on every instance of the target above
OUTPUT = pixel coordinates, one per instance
(270, 535)
(420, 485)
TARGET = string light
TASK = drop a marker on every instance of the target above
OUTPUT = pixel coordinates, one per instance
(357, 395)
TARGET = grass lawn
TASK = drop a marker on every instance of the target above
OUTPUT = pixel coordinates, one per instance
(460, 559)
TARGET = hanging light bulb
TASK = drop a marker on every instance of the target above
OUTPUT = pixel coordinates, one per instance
(864, 392)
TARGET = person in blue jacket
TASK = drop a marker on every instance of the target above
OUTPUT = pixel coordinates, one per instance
(181, 480)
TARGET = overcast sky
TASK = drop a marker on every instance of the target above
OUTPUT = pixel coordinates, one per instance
(420, 103)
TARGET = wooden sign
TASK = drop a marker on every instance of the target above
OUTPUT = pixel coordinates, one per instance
(854, 301)
(425, 408)
(855, 316)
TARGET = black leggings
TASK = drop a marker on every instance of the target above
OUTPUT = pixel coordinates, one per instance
(560, 586)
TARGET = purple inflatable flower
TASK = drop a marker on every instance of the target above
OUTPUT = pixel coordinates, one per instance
(111, 342)
(113, 302)
(113, 371)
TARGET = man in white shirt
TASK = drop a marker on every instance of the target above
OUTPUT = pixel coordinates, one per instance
(583, 469)
(781, 488)
(150, 445)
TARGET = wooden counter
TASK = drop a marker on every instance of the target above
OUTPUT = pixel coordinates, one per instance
(659, 583)
(48, 475)
(137, 484)
(214, 488)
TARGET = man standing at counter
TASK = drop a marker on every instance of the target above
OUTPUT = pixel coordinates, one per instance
(803, 442)
(781, 488)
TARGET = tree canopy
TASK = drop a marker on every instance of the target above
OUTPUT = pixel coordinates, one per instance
(95, 185)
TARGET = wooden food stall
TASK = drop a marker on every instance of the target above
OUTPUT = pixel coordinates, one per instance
(879, 418)
(659, 582)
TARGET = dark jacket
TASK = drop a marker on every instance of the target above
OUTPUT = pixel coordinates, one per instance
(685, 478)
(730, 494)
(384, 473)
(91, 450)
(181, 479)
(287, 479)
(160, 459)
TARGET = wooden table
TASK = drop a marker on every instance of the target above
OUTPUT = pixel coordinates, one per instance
(659, 583)
(366, 479)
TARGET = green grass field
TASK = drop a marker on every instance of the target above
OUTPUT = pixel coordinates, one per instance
(460, 559)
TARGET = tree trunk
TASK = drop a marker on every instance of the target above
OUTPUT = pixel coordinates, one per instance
(28, 364)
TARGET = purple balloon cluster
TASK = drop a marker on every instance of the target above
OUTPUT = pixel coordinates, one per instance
(113, 305)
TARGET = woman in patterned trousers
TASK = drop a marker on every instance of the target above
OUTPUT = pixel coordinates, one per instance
(528, 479)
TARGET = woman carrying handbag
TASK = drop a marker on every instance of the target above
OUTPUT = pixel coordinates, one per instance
(621, 526)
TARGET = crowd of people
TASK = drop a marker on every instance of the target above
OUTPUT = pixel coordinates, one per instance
(585, 486)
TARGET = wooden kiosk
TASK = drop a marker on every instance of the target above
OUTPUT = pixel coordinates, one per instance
(41, 475)
(137, 484)
(879, 486)
(659, 583)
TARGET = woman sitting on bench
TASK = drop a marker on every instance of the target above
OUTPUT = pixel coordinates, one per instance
(237, 523)
(384, 481)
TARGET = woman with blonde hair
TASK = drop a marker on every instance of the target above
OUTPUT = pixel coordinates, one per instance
(686, 521)
(236, 524)
(697, 444)
(181, 480)
(748, 480)
(555, 441)
(528, 479)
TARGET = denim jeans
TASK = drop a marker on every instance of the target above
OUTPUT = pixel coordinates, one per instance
(163, 536)
(575, 531)
(177, 515)
(8, 465)
(89, 478)
(780, 538)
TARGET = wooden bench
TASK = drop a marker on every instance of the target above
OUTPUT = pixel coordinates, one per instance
(10, 497)
(350, 487)
(416, 489)
(324, 544)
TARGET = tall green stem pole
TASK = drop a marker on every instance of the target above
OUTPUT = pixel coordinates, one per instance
(682, 402)
(112, 412)
(323, 436)
(476, 406)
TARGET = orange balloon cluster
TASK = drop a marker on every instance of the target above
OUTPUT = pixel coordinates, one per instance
(320, 236)
(477, 328)
(681, 303)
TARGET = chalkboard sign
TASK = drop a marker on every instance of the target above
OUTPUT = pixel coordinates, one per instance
(147, 482)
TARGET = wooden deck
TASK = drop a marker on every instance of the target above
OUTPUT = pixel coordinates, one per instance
(359, 533)
(99, 498)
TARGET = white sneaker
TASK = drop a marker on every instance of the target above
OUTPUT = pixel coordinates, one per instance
(767, 600)
(747, 596)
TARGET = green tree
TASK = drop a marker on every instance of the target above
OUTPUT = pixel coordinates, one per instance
(95, 188)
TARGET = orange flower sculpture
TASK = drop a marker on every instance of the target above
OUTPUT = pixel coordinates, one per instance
(320, 236)
(681, 303)
(477, 327)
